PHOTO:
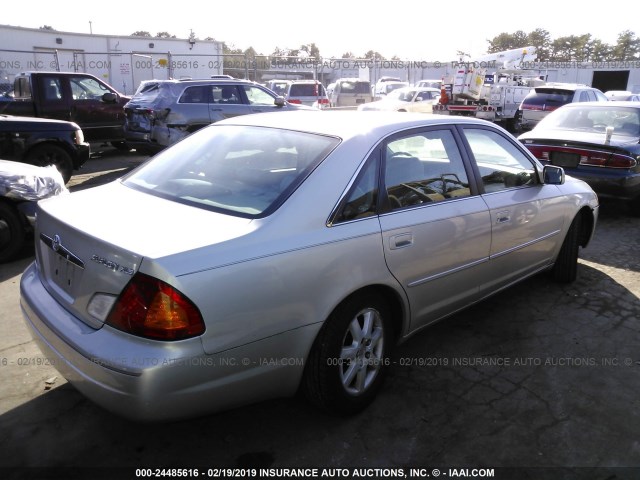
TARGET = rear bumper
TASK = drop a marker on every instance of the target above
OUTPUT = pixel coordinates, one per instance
(155, 381)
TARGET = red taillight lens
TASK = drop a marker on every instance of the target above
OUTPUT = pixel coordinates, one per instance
(323, 101)
(295, 100)
(592, 158)
(151, 308)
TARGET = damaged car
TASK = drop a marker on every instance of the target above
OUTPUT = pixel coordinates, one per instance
(163, 112)
(21, 186)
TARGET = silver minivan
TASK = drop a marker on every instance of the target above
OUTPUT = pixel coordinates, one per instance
(351, 92)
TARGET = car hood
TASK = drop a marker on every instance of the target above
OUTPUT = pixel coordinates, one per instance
(574, 136)
(385, 105)
(32, 124)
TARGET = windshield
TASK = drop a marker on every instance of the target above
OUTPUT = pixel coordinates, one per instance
(624, 120)
(241, 170)
(402, 95)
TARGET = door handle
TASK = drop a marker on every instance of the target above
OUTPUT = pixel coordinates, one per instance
(503, 217)
(401, 241)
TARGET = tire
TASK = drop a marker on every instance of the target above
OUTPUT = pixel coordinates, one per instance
(121, 145)
(48, 154)
(348, 361)
(565, 269)
(514, 125)
(12, 232)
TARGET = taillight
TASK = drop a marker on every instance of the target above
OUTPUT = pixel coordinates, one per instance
(151, 308)
(295, 100)
(323, 101)
(594, 158)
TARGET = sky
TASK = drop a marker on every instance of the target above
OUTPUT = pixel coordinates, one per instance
(408, 29)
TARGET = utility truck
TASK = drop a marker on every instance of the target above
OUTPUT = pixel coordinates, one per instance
(490, 87)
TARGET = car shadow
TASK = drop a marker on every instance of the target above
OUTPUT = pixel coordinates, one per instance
(455, 394)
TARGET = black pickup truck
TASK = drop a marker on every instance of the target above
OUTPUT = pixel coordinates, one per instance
(76, 97)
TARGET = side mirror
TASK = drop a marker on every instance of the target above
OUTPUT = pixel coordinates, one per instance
(109, 97)
(552, 175)
(279, 101)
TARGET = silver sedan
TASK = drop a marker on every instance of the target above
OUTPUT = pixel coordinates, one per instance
(278, 252)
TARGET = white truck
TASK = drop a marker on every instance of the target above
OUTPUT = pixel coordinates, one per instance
(495, 96)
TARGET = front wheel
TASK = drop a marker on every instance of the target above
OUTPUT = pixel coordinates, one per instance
(47, 154)
(348, 361)
(565, 269)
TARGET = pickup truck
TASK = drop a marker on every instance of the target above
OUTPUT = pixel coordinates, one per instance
(80, 98)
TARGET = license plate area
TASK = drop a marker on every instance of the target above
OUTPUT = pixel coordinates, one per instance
(564, 159)
(64, 273)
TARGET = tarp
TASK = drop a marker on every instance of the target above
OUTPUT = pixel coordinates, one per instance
(21, 181)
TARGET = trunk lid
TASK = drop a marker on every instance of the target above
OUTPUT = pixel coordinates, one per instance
(92, 242)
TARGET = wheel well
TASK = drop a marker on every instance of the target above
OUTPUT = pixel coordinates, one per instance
(61, 145)
(394, 301)
(586, 226)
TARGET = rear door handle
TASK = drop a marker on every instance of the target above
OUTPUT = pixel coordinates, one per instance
(401, 241)
(503, 217)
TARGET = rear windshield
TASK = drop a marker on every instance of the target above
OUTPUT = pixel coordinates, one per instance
(306, 90)
(347, 86)
(548, 97)
(239, 170)
(624, 121)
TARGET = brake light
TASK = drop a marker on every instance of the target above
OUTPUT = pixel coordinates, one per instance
(151, 308)
(323, 101)
(594, 158)
(295, 100)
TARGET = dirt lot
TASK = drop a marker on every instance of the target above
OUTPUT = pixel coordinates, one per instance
(542, 378)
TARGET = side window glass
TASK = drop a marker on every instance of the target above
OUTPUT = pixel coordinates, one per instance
(363, 198)
(227, 94)
(83, 88)
(424, 168)
(257, 96)
(584, 97)
(52, 89)
(197, 94)
(501, 164)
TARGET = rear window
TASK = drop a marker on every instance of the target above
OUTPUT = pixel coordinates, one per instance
(624, 121)
(547, 99)
(306, 90)
(245, 171)
(348, 86)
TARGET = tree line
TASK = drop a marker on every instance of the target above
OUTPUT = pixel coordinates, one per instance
(578, 48)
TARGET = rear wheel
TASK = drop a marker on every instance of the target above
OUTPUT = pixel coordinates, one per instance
(566, 267)
(48, 154)
(348, 361)
(12, 232)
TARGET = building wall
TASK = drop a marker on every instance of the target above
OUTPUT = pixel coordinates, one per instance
(121, 61)
(124, 62)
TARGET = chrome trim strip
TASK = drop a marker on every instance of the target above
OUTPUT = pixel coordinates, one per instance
(57, 247)
(524, 245)
(448, 272)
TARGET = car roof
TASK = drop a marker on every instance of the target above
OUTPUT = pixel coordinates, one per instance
(349, 123)
(562, 86)
(609, 104)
